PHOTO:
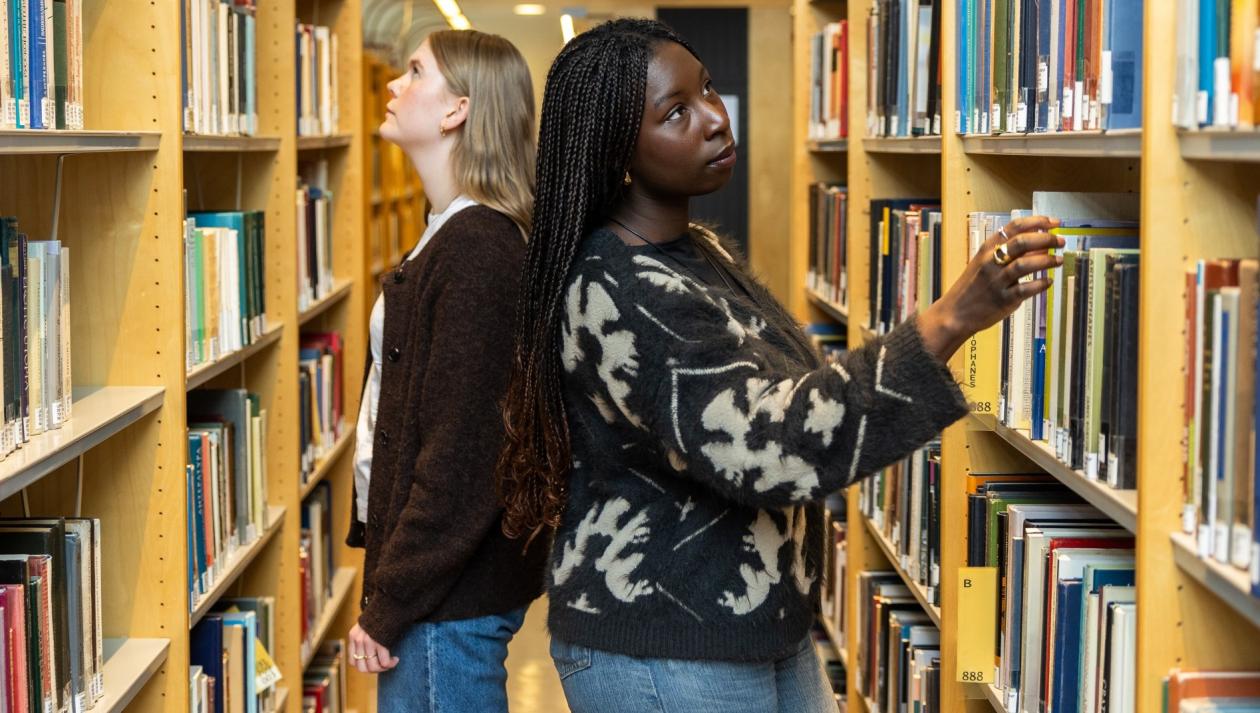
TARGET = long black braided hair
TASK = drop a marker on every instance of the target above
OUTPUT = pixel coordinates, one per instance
(592, 108)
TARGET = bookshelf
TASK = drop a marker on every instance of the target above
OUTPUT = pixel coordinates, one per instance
(394, 213)
(1198, 200)
(125, 185)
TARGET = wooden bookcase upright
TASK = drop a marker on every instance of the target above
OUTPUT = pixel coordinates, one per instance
(1198, 200)
(122, 457)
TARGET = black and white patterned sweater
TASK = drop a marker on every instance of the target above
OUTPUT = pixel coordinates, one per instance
(703, 441)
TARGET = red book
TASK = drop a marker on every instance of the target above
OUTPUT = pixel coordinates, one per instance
(13, 598)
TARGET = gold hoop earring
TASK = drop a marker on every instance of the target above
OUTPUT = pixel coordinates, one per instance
(627, 180)
(442, 130)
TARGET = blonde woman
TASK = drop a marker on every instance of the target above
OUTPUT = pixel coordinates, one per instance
(444, 590)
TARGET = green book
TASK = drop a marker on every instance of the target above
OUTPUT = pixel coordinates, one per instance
(61, 63)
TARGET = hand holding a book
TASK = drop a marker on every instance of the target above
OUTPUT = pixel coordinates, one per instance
(367, 655)
(993, 284)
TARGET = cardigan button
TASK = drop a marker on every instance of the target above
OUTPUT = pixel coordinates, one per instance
(394, 354)
(399, 278)
(385, 438)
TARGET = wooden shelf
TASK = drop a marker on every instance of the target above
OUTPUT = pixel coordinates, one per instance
(919, 145)
(1119, 505)
(1242, 146)
(282, 696)
(932, 610)
(230, 144)
(341, 289)
(323, 465)
(827, 145)
(1230, 584)
(238, 561)
(129, 664)
(342, 583)
(97, 414)
(202, 373)
(77, 142)
(833, 310)
(315, 143)
(1082, 144)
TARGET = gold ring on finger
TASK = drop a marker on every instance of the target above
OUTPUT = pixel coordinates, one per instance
(358, 657)
(1001, 255)
(371, 657)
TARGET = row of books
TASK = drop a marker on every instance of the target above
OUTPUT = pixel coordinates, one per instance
(226, 482)
(324, 682)
(316, 561)
(905, 267)
(1208, 691)
(224, 283)
(218, 60)
(34, 336)
(835, 562)
(829, 82)
(231, 669)
(899, 648)
(903, 64)
(314, 231)
(317, 113)
(1219, 412)
(51, 629)
(1068, 356)
(41, 64)
(1049, 65)
(321, 398)
(903, 502)
(1218, 76)
(828, 243)
(1065, 599)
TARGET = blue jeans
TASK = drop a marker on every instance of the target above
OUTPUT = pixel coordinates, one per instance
(450, 666)
(601, 682)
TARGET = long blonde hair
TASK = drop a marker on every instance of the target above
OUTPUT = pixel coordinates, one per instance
(494, 153)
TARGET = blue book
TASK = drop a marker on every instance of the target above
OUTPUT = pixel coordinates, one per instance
(251, 76)
(1064, 686)
(197, 546)
(966, 64)
(1207, 59)
(1039, 372)
(190, 513)
(205, 649)
(1125, 111)
(37, 79)
(248, 621)
(1042, 122)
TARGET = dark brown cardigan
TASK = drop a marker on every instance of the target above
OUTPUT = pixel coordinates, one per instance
(435, 550)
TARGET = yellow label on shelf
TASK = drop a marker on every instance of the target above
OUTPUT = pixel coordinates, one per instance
(977, 627)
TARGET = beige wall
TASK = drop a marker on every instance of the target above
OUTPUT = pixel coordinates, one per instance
(770, 110)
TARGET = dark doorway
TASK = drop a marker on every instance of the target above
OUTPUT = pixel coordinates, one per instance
(720, 37)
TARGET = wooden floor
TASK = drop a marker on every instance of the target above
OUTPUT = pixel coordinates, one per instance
(533, 686)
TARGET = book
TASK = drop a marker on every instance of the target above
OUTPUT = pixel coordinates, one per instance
(1216, 77)
(321, 414)
(224, 287)
(317, 108)
(829, 87)
(828, 274)
(314, 230)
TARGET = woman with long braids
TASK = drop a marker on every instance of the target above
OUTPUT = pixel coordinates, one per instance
(443, 589)
(669, 418)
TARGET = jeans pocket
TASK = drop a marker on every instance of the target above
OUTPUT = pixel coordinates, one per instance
(569, 658)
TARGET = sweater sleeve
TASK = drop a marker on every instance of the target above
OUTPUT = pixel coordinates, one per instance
(652, 348)
(452, 504)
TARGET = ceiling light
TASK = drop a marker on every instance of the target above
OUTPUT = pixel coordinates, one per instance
(529, 9)
(566, 27)
(454, 16)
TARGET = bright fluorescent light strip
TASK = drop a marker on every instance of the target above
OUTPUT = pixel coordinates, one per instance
(566, 27)
(454, 16)
(529, 9)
